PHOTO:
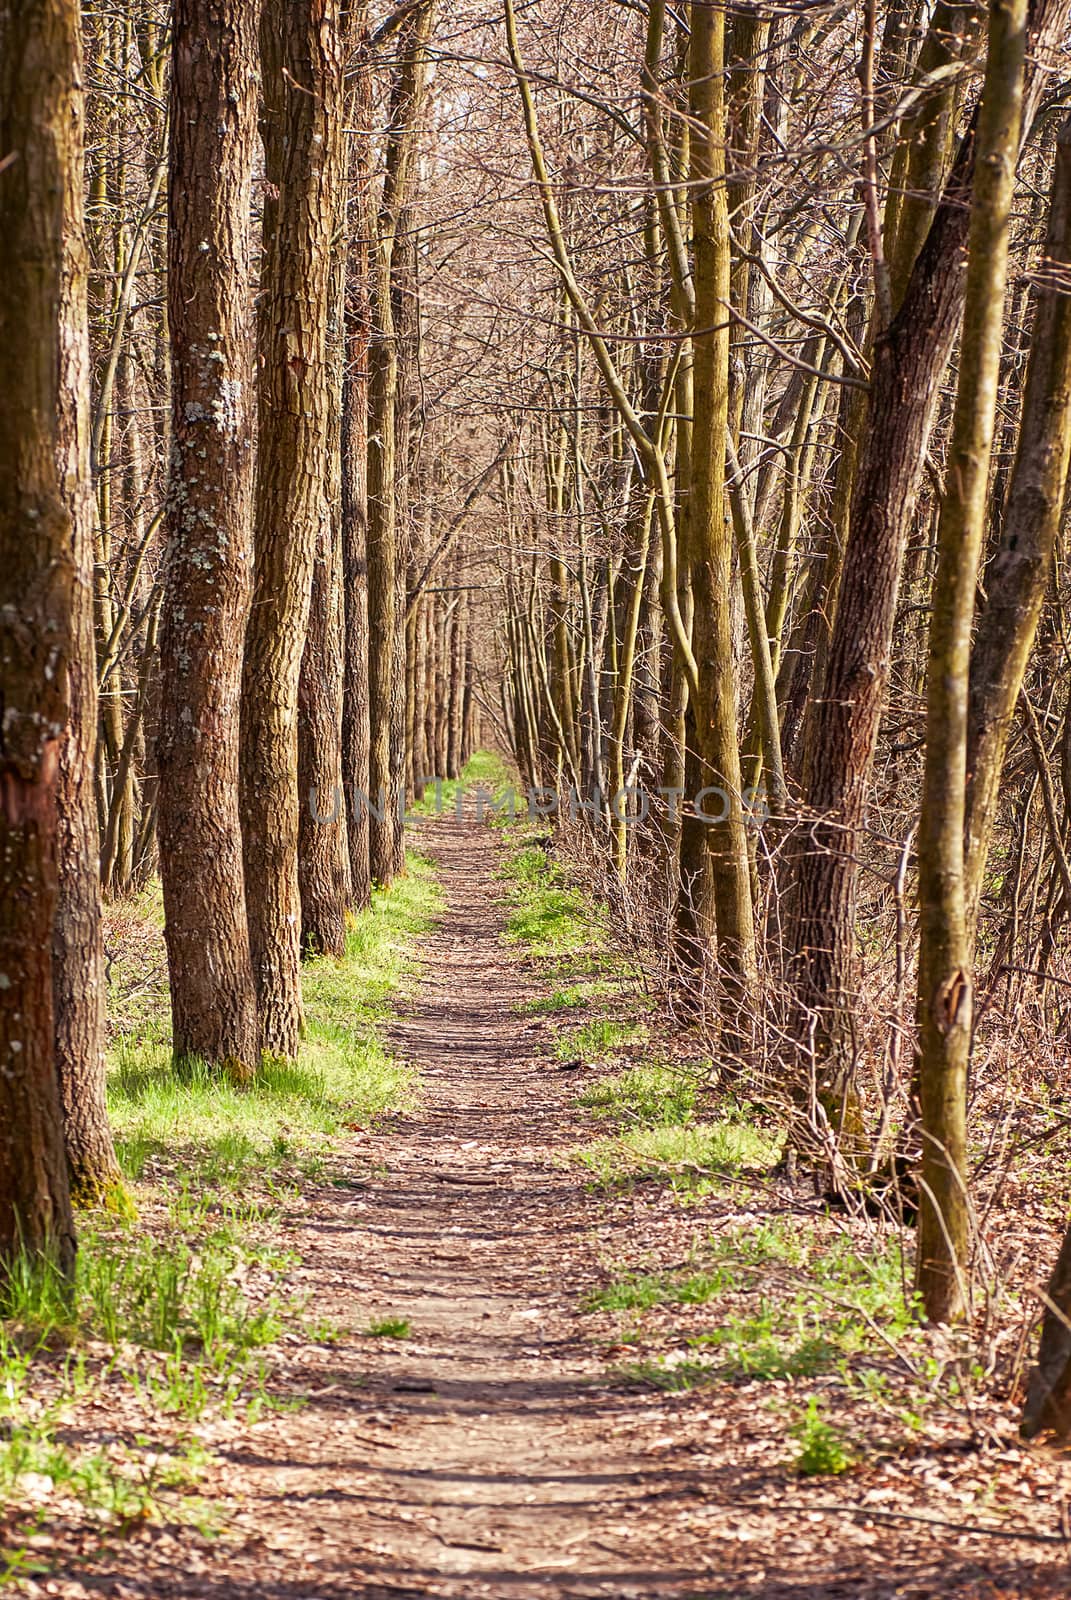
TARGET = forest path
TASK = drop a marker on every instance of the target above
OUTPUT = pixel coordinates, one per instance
(478, 1456)
(491, 1453)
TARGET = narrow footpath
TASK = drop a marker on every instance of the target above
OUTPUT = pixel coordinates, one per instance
(492, 1452)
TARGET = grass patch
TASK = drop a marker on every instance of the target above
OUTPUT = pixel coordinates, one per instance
(486, 773)
(549, 917)
(649, 1095)
(689, 1157)
(595, 1041)
(388, 1328)
(182, 1334)
(822, 1450)
(183, 1318)
(848, 1303)
(641, 1291)
(230, 1134)
(672, 1374)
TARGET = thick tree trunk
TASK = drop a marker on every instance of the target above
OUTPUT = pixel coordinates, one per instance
(210, 532)
(301, 59)
(323, 859)
(40, 137)
(77, 954)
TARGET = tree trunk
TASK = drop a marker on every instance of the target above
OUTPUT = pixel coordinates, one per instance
(302, 120)
(386, 600)
(323, 852)
(355, 725)
(713, 720)
(1048, 1399)
(40, 127)
(1019, 572)
(77, 953)
(210, 533)
(945, 981)
(323, 859)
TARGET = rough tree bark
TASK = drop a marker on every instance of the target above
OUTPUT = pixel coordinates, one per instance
(301, 57)
(40, 122)
(210, 532)
(323, 854)
(77, 953)
(386, 569)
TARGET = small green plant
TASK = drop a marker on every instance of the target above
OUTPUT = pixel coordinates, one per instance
(388, 1328)
(822, 1450)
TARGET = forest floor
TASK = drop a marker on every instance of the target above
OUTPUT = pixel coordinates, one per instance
(557, 1343)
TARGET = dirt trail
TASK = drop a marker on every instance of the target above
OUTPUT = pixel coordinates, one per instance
(478, 1457)
(488, 1454)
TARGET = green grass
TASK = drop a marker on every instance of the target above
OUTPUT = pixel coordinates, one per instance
(185, 1315)
(595, 1041)
(641, 1291)
(230, 1134)
(388, 1328)
(547, 916)
(650, 1095)
(181, 1333)
(826, 1318)
(689, 1157)
(485, 772)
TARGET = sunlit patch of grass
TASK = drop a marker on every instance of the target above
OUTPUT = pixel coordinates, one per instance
(797, 1324)
(651, 1094)
(570, 998)
(549, 917)
(183, 1333)
(229, 1132)
(673, 1374)
(595, 1041)
(641, 1291)
(689, 1157)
